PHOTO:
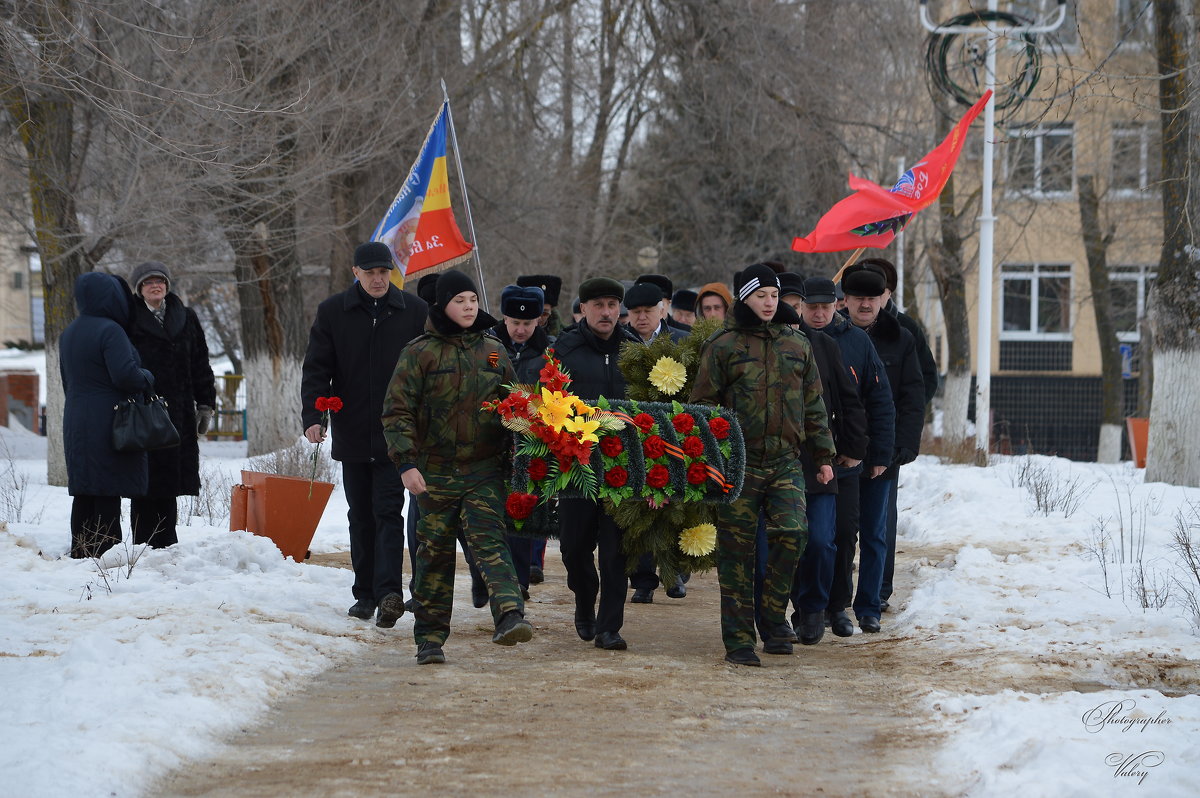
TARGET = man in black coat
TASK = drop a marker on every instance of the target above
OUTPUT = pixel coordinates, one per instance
(352, 351)
(864, 289)
(589, 353)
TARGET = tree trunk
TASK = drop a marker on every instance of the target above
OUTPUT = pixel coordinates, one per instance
(1112, 384)
(1174, 447)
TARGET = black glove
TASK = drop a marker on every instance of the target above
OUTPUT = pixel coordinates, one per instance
(204, 415)
(904, 457)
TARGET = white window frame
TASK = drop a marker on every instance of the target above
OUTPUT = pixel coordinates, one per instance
(1032, 272)
(1144, 133)
(1045, 11)
(1141, 274)
(1037, 136)
(1123, 14)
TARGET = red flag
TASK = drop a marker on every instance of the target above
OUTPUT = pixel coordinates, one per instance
(872, 215)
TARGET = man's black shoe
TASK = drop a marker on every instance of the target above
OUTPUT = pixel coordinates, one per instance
(536, 575)
(612, 641)
(677, 590)
(743, 656)
(841, 624)
(429, 653)
(884, 606)
(778, 642)
(479, 595)
(784, 630)
(642, 596)
(512, 629)
(410, 606)
(585, 625)
(390, 610)
(363, 608)
(869, 623)
(811, 628)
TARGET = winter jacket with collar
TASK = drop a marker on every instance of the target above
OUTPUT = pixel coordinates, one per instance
(592, 361)
(99, 367)
(527, 359)
(929, 372)
(847, 417)
(353, 347)
(869, 374)
(176, 354)
(766, 373)
(432, 415)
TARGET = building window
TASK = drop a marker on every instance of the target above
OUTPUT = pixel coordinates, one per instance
(1044, 11)
(18, 281)
(1128, 289)
(1135, 23)
(1036, 301)
(1136, 157)
(1042, 160)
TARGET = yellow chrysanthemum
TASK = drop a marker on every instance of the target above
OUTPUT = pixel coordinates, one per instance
(585, 429)
(555, 409)
(699, 540)
(668, 375)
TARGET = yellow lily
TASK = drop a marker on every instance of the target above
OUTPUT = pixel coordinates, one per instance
(555, 409)
(586, 430)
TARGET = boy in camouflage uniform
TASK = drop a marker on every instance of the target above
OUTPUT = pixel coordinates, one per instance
(451, 457)
(763, 369)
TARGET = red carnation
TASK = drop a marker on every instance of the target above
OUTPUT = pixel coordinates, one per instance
(654, 447)
(683, 423)
(616, 477)
(697, 473)
(658, 476)
(719, 427)
(538, 469)
(328, 404)
(611, 446)
(644, 422)
(693, 446)
(519, 506)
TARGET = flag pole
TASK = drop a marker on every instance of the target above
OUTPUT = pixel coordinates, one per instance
(853, 257)
(466, 201)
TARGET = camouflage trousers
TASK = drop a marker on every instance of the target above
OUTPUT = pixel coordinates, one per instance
(474, 503)
(777, 489)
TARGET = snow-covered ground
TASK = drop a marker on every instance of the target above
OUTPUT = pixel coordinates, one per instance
(114, 675)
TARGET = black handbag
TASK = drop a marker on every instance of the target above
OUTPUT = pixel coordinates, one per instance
(142, 424)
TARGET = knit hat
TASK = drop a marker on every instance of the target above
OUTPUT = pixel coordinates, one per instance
(864, 281)
(791, 283)
(518, 302)
(818, 290)
(754, 277)
(450, 284)
(661, 280)
(373, 255)
(598, 287)
(550, 284)
(150, 268)
(426, 287)
(643, 295)
(684, 300)
(718, 289)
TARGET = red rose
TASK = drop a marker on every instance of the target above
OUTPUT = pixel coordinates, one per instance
(538, 469)
(683, 423)
(519, 506)
(654, 447)
(697, 473)
(611, 446)
(644, 422)
(693, 446)
(616, 477)
(658, 476)
(719, 428)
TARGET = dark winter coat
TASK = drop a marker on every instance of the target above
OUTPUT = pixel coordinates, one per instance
(898, 351)
(353, 347)
(765, 372)
(847, 417)
(867, 370)
(431, 414)
(99, 367)
(176, 354)
(592, 362)
(929, 372)
(527, 360)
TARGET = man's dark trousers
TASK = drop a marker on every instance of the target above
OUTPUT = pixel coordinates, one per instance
(376, 498)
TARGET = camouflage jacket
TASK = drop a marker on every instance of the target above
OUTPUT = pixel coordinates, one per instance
(767, 375)
(431, 413)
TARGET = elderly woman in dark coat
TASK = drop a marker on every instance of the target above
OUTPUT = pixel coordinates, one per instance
(171, 343)
(99, 367)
